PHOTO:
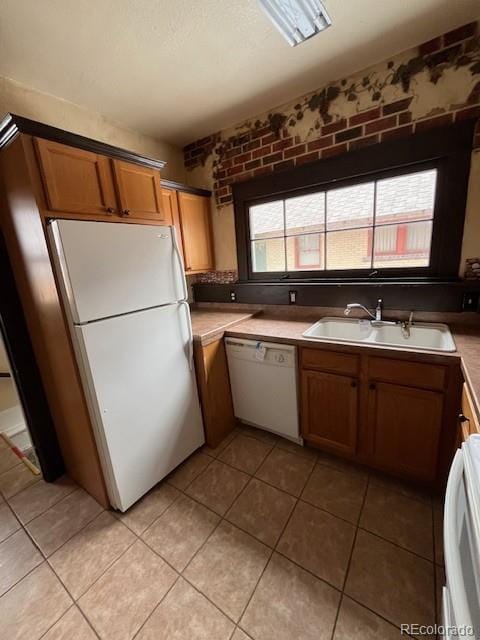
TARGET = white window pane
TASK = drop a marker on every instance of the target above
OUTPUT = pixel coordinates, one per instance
(403, 245)
(349, 249)
(266, 220)
(350, 206)
(406, 198)
(305, 253)
(268, 255)
(305, 214)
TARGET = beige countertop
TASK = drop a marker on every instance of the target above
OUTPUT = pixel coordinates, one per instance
(212, 325)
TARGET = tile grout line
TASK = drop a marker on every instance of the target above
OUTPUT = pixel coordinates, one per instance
(273, 550)
(347, 570)
(222, 518)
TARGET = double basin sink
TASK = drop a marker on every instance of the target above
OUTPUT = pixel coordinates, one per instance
(418, 336)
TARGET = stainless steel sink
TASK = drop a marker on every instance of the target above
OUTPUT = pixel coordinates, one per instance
(420, 337)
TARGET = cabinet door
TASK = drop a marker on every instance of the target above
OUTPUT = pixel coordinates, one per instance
(196, 232)
(406, 426)
(172, 215)
(139, 191)
(75, 181)
(330, 410)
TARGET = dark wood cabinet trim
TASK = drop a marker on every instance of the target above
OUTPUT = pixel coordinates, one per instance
(12, 125)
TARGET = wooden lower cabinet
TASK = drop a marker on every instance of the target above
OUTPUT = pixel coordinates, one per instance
(381, 412)
(406, 424)
(330, 410)
(214, 391)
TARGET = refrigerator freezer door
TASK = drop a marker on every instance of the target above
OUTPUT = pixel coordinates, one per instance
(110, 269)
(142, 397)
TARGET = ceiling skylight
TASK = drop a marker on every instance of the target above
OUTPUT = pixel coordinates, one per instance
(297, 20)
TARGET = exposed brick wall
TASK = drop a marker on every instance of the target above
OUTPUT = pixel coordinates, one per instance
(274, 144)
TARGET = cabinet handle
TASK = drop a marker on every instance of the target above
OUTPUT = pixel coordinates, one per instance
(463, 418)
(372, 386)
(353, 383)
(125, 212)
(110, 210)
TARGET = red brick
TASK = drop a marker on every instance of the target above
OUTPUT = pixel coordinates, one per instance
(363, 142)
(243, 157)
(189, 146)
(397, 133)
(334, 151)
(333, 127)
(253, 164)
(364, 116)
(271, 137)
(262, 170)
(395, 107)
(263, 151)
(380, 125)
(282, 144)
(193, 162)
(348, 134)
(274, 157)
(258, 133)
(294, 151)
(424, 125)
(430, 46)
(285, 164)
(309, 157)
(233, 152)
(466, 114)
(223, 191)
(405, 117)
(254, 144)
(235, 170)
(321, 143)
(225, 199)
(462, 33)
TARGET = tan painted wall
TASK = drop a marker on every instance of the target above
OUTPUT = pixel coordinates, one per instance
(24, 101)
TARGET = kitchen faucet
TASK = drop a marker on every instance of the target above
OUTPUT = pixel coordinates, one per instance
(375, 318)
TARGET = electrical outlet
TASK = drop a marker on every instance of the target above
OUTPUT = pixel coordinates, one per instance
(292, 297)
(470, 301)
(233, 296)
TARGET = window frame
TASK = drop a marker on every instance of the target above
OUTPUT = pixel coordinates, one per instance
(446, 149)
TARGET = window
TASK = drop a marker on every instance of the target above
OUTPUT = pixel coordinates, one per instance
(383, 223)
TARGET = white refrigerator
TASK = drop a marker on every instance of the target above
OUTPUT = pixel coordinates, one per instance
(125, 294)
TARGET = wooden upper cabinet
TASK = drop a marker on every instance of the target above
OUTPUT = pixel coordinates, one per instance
(139, 191)
(196, 232)
(406, 424)
(75, 181)
(330, 411)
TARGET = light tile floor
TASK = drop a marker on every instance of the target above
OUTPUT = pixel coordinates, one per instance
(258, 539)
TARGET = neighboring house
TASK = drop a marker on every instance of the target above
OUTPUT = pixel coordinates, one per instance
(369, 225)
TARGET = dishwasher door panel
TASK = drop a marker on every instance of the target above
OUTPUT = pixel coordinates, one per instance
(264, 391)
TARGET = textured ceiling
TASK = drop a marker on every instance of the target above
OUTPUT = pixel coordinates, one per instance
(179, 69)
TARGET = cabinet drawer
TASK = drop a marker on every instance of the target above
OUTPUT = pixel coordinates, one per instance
(334, 361)
(412, 374)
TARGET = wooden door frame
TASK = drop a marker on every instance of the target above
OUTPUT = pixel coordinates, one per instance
(26, 374)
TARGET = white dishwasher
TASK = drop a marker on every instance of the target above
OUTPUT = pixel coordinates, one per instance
(263, 378)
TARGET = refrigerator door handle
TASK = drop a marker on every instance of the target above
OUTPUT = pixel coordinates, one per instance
(185, 304)
(180, 263)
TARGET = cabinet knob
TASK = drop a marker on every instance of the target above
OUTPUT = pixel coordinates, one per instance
(462, 418)
(110, 210)
(126, 212)
(372, 386)
(353, 384)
